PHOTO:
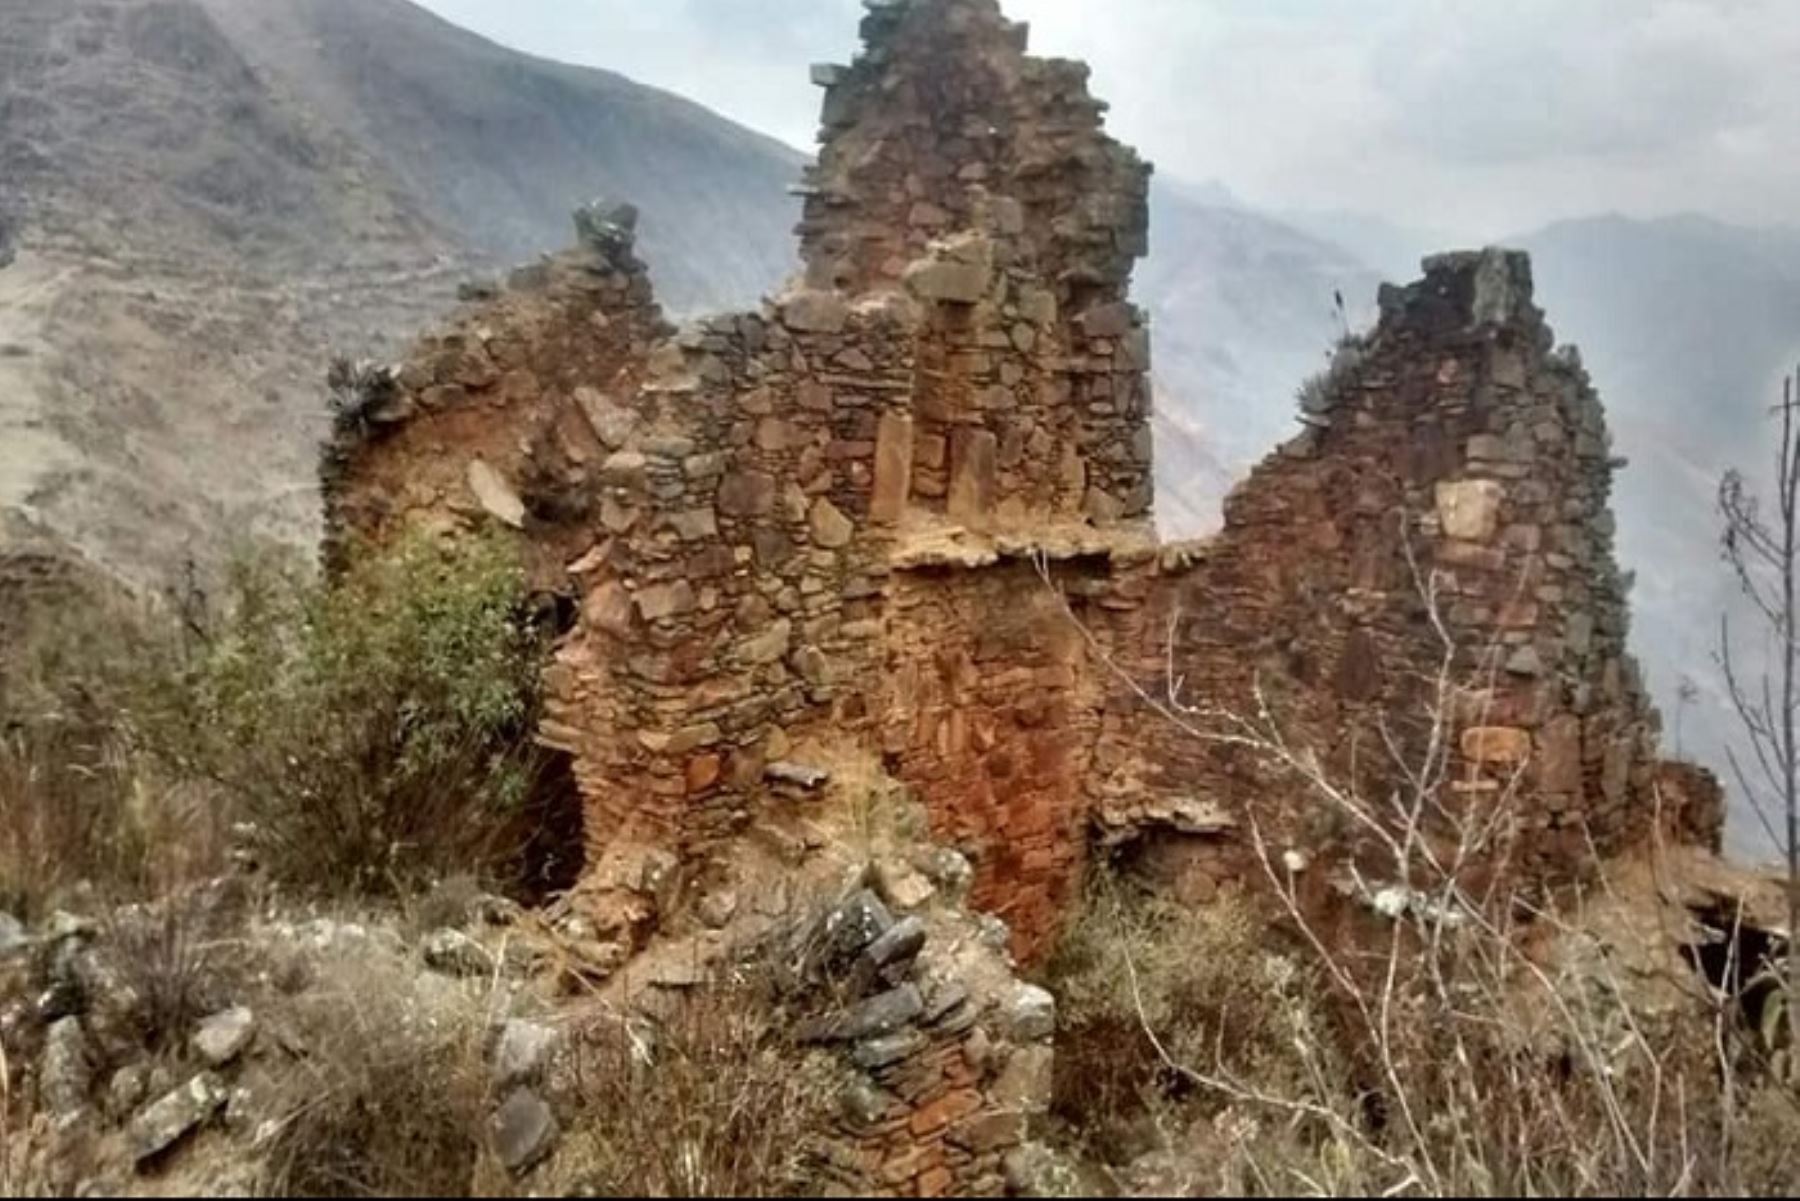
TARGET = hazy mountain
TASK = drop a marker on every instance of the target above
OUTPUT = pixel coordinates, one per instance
(498, 147)
(202, 200)
(1244, 308)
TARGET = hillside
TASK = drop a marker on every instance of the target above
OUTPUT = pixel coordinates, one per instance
(204, 202)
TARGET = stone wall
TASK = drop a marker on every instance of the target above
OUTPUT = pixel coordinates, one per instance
(1451, 454)
(900, 512)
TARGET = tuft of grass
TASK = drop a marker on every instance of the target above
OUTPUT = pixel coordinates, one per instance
(390, 1097)
(1210, 985)
(717, 1100)
(78, 804)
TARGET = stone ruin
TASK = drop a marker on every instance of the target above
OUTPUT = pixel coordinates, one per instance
(897, 525)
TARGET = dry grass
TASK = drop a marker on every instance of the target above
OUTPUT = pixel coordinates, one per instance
(79, 804)
(1211, 985)
(390, 1096)
(718, 1101)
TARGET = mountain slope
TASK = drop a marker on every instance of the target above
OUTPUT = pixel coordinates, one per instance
(499, 147)
(1243, 310)
(202, 200)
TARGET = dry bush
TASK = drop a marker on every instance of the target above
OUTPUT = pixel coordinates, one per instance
(78, 802)
(718, 1100)
(1210, 984)
(1458, 1059)
(390, 1096)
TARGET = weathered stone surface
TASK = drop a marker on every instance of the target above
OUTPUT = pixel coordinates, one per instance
(522, 1052)
(1469, 510)
(1030, 1014)
(66, 1077)
(815, 312)
(175, 1116)
(973, 471)
(456, 954)
(747, 494)
(830, 528)
(948, 281)
(611, 422)
(224, 1036)
(495, 495)
(1501, 745)
(524, 1131)
(661, 601)
(893, 468)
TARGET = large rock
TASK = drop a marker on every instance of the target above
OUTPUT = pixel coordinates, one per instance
(522, 1052)
(175, 1116)
(524, 1131)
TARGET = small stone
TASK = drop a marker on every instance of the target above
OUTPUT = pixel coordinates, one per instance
(524, 1131)
(1108, 320)
(878, 1053)
(881, 1015)
(830, 528)
(949, 869)
(718, 907)
(815, 312)
(224, 1036)
(1025, 1083)
(453, 953)
(661, 601)
(1034, 1170)
(863, 1103)
(521, 1053)
(612, 423)
(1501, 745)
(768, 646)
(12, 935)
(899, 945)
(948, 281)
(175, 1116)
(747, 494)
(1526, 662)
(128, 1088)
(850, 928)
(1029, 1014)
(901, 885)
(65, 1077)
(495, 495)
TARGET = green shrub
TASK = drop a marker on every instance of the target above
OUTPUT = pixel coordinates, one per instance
(374, 733)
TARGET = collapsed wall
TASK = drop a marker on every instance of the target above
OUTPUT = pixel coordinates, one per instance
(1436, 543)
(902, 511)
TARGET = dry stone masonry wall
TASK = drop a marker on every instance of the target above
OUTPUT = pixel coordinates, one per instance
(900, 514)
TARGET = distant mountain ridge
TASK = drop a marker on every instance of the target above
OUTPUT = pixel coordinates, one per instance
(207, 199)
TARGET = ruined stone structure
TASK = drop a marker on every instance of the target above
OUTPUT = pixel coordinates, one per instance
(900, 515)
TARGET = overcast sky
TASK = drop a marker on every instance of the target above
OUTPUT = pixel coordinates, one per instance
(1474, 117)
